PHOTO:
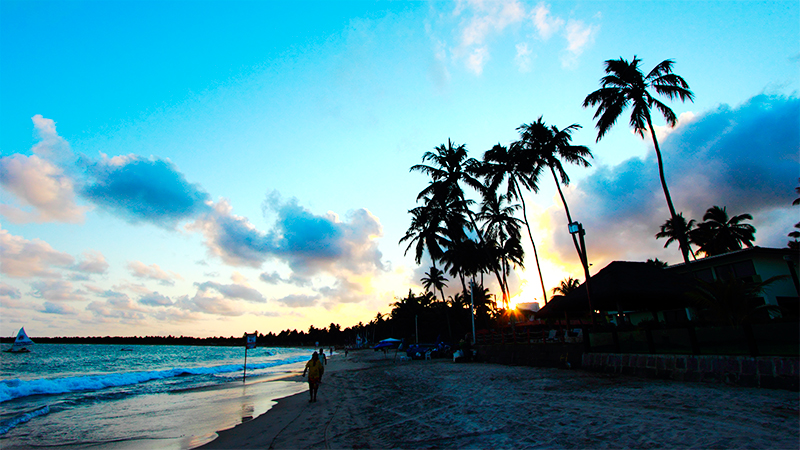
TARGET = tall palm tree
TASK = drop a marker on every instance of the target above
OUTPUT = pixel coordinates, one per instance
(718, 234)
(550, 146)
(499, 227)
(567, 285)
(625, 85)
(677, 229)
(518, 169)
(434, 279)
(450, 167)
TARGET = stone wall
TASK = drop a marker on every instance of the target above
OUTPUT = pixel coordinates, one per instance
(762, 371)
(537, 355)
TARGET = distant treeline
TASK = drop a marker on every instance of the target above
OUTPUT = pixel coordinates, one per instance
(417, 317)
(331, 336)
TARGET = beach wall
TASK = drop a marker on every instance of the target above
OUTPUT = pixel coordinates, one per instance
(762, 371)
(536, 355)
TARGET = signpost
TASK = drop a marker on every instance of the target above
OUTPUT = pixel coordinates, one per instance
(249, 343)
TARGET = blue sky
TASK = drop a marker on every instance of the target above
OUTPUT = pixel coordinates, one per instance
(210, 168)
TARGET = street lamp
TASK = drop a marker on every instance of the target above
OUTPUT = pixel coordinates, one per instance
(575, 228)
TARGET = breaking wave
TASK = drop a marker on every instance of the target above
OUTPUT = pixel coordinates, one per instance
(16, 388)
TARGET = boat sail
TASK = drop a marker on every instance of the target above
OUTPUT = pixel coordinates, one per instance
(21, 343)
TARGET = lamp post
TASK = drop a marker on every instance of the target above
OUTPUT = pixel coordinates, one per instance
(472, 307)
(577, 232)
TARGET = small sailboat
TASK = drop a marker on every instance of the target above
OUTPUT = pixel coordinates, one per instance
(21, 343)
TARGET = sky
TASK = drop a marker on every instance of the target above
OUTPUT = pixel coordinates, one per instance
(210, 168)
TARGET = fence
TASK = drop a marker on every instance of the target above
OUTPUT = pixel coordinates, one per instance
(767, 339)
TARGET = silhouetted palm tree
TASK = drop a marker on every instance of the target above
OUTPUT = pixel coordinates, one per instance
(675, 230)
(625, 85)
(718, 234)
(425, 233)
(451, 166)
(499, 227)
(518, 169)
(550, 146)
(567, 285)
(435, 279)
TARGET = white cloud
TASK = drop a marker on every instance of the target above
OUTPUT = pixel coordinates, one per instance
(56, 290)
(545, 24)
(485, 20)
(22, 258)
(523, 58)
(579, 36)
(39, 182)
(93, 262)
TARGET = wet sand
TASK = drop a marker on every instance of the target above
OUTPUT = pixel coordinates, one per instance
(368, 401)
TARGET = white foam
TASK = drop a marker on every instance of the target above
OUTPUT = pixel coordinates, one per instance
(23, 418)
(11, 389)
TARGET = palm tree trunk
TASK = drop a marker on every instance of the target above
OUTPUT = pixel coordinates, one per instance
(581, 255)
(681, 239)
(584, 262)
(535, 255)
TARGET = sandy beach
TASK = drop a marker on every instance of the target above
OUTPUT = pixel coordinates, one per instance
(368, 401)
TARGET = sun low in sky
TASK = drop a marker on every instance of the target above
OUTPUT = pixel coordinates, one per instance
(208, 168)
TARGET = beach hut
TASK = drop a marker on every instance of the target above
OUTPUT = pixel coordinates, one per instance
(630, 291)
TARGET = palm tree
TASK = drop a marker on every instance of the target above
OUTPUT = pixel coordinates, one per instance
(718, 234)
(519, 169)
(550, 146)
(677, 230)
(450, 168)
(500, 229)
(425, 233)
(567, 285)
(625, 85)
(434, 279)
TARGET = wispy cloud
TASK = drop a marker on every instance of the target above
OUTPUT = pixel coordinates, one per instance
(480, 21)
(57, 291)
(523, 58)
(579, 36)
(546, 25)
(22, 258)
(9, 292)
(153, 272)
(482, 25)
(232, 291)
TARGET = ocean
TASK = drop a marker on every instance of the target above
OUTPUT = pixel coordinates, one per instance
(141, 396)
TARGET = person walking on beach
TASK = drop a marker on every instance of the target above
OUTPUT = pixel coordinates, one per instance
(322, 357)
(315, 369)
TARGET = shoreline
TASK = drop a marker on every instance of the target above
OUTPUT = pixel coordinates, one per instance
(367, 401)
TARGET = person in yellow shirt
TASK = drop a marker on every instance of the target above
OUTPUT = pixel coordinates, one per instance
(315, 369)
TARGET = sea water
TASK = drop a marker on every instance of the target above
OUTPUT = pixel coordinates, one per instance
(142, 396)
